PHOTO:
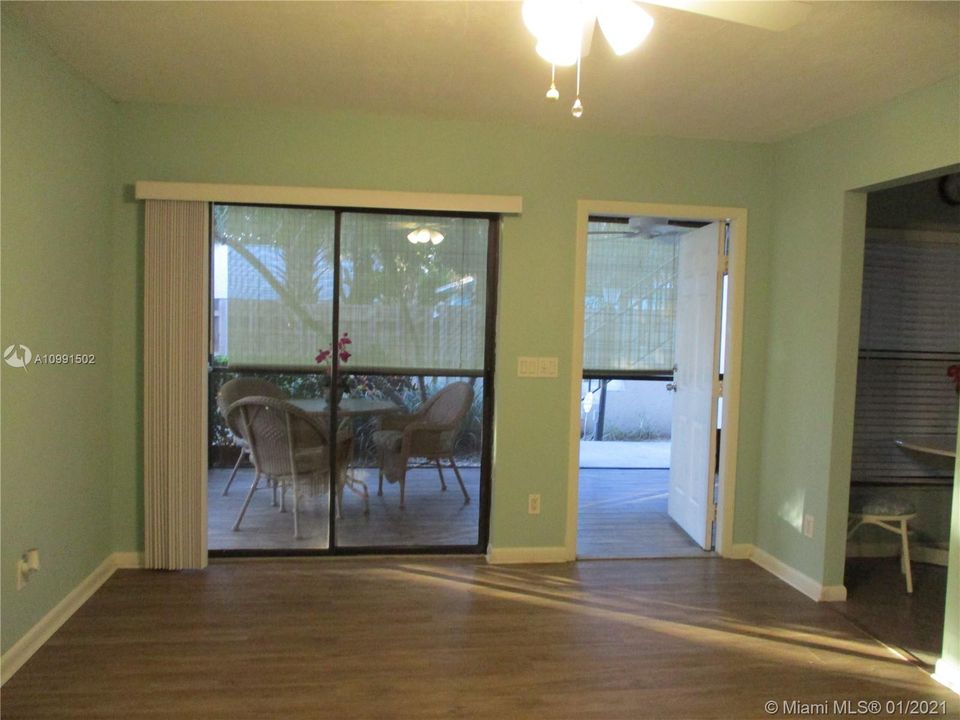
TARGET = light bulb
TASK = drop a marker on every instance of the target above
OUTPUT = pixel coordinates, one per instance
(577, 109)
(624, 24)
(420, 235)
(561, 49)
(558, 26)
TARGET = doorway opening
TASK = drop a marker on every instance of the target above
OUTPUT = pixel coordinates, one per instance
(905, 419)
(653, 358)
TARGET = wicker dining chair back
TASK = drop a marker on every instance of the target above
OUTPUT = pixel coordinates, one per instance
(446, 409)
(430, 433)
(242, 387)
(291, 448)
(284, 439)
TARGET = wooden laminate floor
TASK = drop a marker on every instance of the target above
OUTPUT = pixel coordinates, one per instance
(877, 600)
(623, 514)
(456, 638)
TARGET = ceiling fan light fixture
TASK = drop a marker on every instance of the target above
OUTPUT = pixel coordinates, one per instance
(559, 50)
(424, 235)
(625, 24)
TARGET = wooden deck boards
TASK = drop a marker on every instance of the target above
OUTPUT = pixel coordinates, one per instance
(623, 514)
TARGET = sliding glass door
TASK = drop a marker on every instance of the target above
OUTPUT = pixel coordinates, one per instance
(377, 326)
(416, 313)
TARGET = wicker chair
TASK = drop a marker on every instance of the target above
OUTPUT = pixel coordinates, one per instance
(429, 433)
(291, 447)
(232, 391)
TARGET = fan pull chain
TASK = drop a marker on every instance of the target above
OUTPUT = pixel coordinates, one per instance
(577, 109)
(553, 93)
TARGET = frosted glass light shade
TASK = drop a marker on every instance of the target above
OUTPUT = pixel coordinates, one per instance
(558, 26)
(423, 235)
(624, 24)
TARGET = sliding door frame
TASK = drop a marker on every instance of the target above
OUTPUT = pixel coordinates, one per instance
(494, 223)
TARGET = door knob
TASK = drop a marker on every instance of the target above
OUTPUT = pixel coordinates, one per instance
(671, 387)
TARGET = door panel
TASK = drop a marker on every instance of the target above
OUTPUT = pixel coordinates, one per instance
(690, 501)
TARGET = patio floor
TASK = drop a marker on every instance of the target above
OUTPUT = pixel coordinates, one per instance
(623, 511)
(431, 517)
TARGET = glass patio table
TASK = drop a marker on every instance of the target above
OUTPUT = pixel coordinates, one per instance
(348, 407)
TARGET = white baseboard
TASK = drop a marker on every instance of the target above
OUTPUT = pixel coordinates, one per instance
(128, 560)
(947, 673)
(928, 554)
(511, 556)
(793, 577)
(738, 551)
(856, 549)
(22, 650)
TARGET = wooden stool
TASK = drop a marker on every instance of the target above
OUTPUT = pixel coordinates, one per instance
(893, 515)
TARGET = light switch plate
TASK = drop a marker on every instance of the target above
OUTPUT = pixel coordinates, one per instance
(548, 367)
(527, 367)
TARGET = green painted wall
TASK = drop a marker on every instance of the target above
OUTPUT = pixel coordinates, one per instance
(57, 135)
(816, 264)
(550, 169)
(73, 272)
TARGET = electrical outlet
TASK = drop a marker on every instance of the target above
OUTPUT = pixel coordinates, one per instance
(808, 525)
(27, 564)
(527, 367)
(533, 504)
(547, 367)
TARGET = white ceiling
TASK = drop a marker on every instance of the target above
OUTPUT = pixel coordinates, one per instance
(693, 77)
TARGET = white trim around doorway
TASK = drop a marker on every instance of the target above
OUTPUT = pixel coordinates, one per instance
(732, 362)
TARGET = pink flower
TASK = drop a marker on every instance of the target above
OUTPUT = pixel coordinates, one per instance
(341, 350)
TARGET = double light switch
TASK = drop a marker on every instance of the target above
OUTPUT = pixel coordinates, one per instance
(537, 367)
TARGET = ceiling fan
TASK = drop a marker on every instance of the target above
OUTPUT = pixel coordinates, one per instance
(564, 28)
(647, 228)
(421, 233)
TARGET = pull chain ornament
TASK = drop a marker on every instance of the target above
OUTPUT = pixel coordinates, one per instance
(577, 109)
(553, 93)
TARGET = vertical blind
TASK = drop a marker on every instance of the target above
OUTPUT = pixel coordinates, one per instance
(175, 384)
(909, 337)
(630, 302)
(404, 305)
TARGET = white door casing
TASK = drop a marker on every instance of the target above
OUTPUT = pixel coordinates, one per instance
(693, 437)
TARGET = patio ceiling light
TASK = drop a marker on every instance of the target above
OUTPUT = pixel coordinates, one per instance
(423, 235)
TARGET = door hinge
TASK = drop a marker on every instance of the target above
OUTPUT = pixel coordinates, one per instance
(718, 389)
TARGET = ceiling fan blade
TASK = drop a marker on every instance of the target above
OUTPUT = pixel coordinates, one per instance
(776, 16)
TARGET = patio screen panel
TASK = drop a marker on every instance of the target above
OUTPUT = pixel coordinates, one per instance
(630, 300)
(404, 305)
(410, 305)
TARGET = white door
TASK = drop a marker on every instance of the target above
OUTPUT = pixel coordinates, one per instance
(693, 441)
